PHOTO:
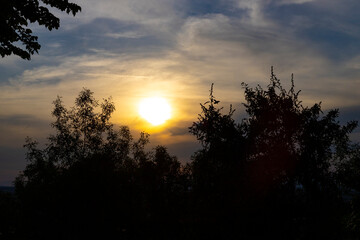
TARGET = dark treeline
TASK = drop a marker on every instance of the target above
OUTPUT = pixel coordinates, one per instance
(285, 171)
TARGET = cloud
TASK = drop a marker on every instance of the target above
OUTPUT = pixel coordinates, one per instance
(133, 49)
(128, 34)
(158, 14)
(20, 120)
(285, 2)
(255, 11)
(178, 131)
(15, 128)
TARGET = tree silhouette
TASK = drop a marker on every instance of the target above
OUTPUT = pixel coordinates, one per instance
(217, 170)
(9, 210)
(278, 170)
(293, 153)
(15, 15)
(91, 176)
(286, 170)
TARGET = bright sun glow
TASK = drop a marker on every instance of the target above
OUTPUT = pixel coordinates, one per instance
(155, 110)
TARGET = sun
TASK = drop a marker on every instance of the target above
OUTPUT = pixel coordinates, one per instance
(155, 110)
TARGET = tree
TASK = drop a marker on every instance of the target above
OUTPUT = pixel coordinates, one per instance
(77, 159)
(15, 16)
(281, 168)
(91, 175)
(9, 215)
(286, 170)
(294, 154)
(217, 171)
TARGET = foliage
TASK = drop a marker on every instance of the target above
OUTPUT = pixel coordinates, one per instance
(286, 171)
(286, 165)
(212, 127)
(9, 215)
(91, 175)
(15, 16)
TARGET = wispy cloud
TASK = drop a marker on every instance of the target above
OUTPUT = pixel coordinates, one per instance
(132, 49)
(127, 34)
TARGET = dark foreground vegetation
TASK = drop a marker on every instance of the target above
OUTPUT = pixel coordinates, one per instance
(16, 35)
(286, 171)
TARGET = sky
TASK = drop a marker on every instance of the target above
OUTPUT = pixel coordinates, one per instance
(175, 49)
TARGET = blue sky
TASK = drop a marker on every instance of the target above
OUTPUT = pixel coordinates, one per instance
(129, 49)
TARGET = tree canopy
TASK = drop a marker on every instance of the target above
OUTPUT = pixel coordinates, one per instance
(15, 16)
(283, 168)
(286, 170)
(93, 176)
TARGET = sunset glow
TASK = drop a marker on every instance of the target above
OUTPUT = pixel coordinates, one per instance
(155, 110)
(174, 50)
